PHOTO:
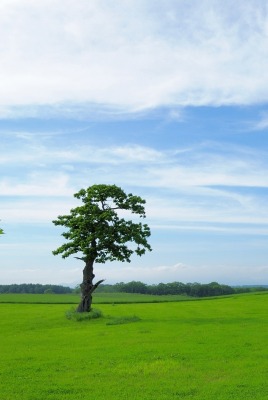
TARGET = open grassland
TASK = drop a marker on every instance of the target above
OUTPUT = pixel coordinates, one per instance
(98, 298)
(198, 350)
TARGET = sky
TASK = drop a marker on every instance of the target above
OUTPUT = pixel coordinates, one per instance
(167, 99)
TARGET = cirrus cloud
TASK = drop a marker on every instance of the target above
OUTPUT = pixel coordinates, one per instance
(130, 56)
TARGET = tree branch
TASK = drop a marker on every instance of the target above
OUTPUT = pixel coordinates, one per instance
(97, 284)
(81, 258)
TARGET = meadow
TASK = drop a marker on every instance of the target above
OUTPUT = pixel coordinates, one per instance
(199, 350)
(99, 298)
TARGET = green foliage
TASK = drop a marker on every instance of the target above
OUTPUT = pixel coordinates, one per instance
(175, 288)
(48, 291)
(34, 288)
(86, 316)
(96, 230)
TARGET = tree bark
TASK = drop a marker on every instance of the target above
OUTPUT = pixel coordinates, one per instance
(87, 287)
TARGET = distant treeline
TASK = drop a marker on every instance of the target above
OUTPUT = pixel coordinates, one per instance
(190, 289)
(36, 288)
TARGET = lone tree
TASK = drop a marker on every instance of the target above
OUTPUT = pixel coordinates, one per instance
(97, 232)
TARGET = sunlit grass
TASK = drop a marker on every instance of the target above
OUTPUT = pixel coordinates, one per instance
(200, 350)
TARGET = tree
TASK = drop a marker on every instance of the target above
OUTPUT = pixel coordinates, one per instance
(98, 233)
(1, 231)
(48, 291)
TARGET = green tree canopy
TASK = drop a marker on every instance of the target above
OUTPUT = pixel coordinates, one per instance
(100, 230)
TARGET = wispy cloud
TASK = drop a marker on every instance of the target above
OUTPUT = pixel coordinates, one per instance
(131, 56)
(204, 183)
(37, 184)
(97, 92)
(32, 150)
(262, 123)
(34, 211)
(232, 274)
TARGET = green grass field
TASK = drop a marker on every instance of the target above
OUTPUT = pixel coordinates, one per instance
(198, 350)
(98, 298)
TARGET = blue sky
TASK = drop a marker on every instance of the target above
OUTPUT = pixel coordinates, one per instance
(167, 99)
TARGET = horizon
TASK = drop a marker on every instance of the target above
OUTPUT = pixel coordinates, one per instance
(169, 102)
(74, 285)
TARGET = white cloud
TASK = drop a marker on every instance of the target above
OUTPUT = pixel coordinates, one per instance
(43, 275)
(37, 185)
(34, 211)
(228, 274)
(231, 228)
(233, 174)
(131, 55)
(30, 151)
(198, 210)
(201, 184)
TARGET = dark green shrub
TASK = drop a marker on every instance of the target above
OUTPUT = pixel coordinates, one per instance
(84, 316)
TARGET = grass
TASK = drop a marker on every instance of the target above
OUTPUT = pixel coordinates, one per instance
(198, 350)
(39, 298)
(123, 320)
(98, 298)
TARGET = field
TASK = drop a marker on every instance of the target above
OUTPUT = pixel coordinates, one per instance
(198, 350)
(99, 298)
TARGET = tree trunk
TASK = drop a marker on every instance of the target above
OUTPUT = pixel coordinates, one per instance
(87, 287)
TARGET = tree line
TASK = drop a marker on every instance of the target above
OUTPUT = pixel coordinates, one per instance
(35, 288)
(173, 288)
